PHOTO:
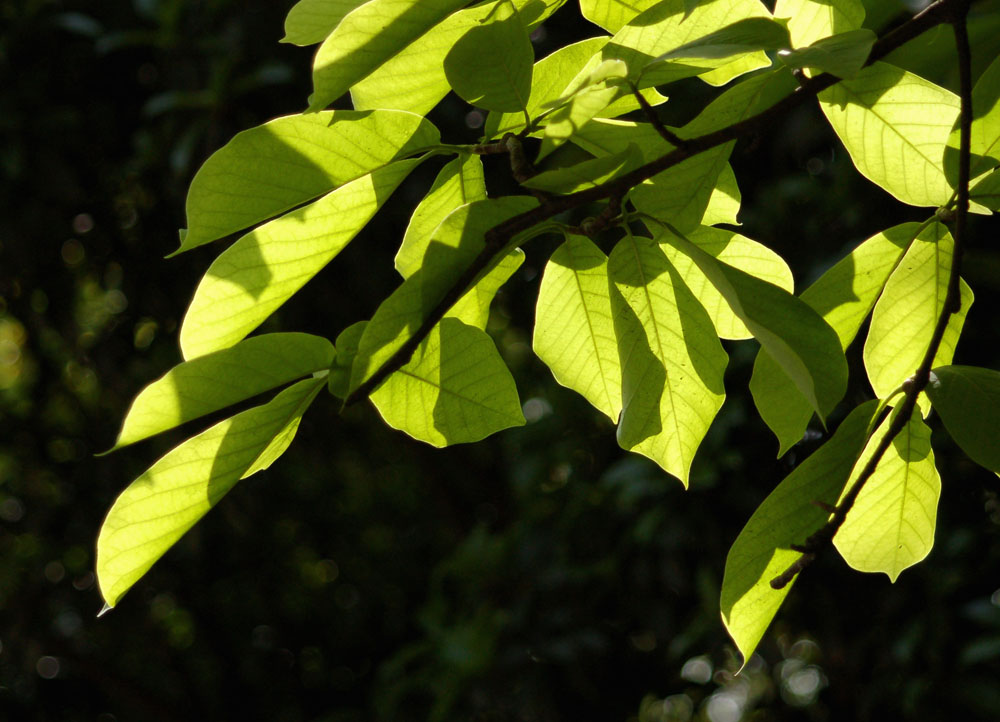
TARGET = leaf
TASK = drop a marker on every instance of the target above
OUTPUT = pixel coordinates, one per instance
(456, 389)
(347, 348)
(724, 203)
(734, 250)
(366, 38)
(582, 102)
(414, 79)
(842, 55)
(310, 21)
(585, 174)
(289, 161)
(739, 38)
(574, 329)
(843, 296)
(794, 334)
(672, 361)
(455, 243)
(812, 20)
(984, 138)
(175, 492)
(787, 516)
(967, 398)
(461, 181)
(264, 268)
(613, 14)
(891, 525)
(490, 65)
(987, 191)
(895, 126)
(907, 311)
(195, 388)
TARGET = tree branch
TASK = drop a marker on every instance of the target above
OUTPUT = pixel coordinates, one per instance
(499, 237)
(957, 14)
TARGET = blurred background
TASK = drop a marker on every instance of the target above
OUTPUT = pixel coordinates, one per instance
(543, 574)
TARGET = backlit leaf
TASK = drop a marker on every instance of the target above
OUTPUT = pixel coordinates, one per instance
(812, 20)
(586, 174)
(613, 14)
(743, 36)
(967, 399)
(310, 21)
(891, 525)
(842, 55)
(987, 191)
(175, 492)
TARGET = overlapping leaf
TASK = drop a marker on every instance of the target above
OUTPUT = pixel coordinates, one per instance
(162, 504)
(895, 125)
(264, 268)
(968, 400)
(907, 311)
(209, 383)
(456, 389)
(985, 132)
(310, 21)
(583, 101)
(812, 20)
(671, 359)
(843, 296)
(574, 329)
(289, 161)
(613, 14)
(842, 55)
(366, 38)
(891, 525)
(787, 516)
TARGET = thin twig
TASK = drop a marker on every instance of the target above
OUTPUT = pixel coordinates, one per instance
(499, 237)
(952, 304)
(654, 120)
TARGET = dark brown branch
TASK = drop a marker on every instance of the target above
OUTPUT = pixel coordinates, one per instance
(958, 12)
(499, 237)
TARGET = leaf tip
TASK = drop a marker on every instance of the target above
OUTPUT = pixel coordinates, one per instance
(105, 609)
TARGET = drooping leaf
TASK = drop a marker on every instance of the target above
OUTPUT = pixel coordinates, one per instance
(907, 311)
(843, 296)
(455, 242)
(461, 181)
(175, 492)
(456, 389)
(672, 361)
(209, 383)
(739, 38)
(793, 333)
(574, 329)
(734, 250)
(264, 268)
(347, 348)
(812, 20)
(891, 525)
(895, 126)
(787, 516)
(366, 38)
(414, 78)
(310, 21)
(582, 102)
(967, 398)
(490, 65)
(289, 161)
(586, 174)
(842, 55)
(724, 203)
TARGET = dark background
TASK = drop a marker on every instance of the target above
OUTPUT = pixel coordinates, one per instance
(543, 574)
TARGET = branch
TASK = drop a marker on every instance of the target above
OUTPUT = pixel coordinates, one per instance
(958, 12)
(499, 237)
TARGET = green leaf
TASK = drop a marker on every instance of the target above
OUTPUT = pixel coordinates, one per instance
(195, 388)
(985, 136)
(987, 191)
(574, 329)
(968, 400)
(739, 252)
(613, 14)
(473, 308)
(586, 174)
(724, 203)
(310, 21)
(461, 181)
(787, 516)
(584, 100)
(455, 243)
(264, 268)
(490, 65)
(843, 296)
(347, 348)
(842, 55)
(175, 492)
(891, 525)
(672, 361)
(366, 38)
(414, 79)
(895, 125)
(812, 20)
(456, 389)
(739, 38)
(907, 311)
(289, 161)
(794, 334)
